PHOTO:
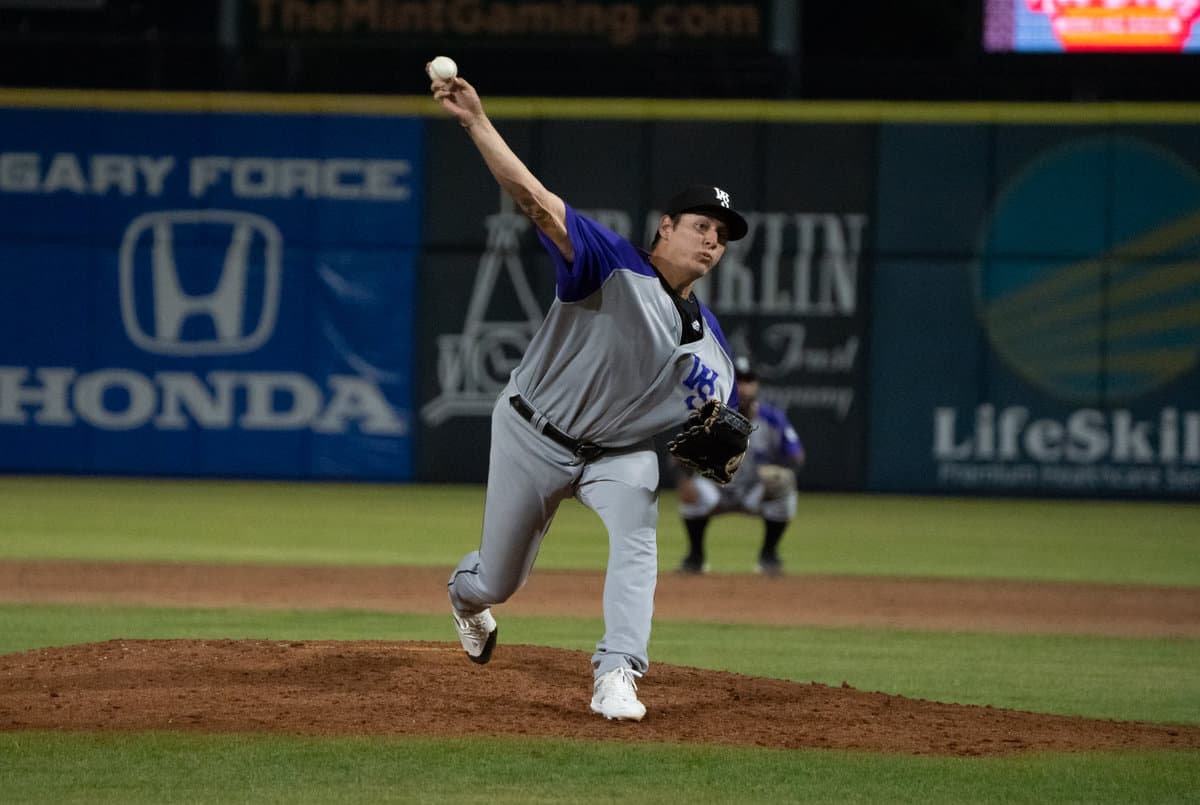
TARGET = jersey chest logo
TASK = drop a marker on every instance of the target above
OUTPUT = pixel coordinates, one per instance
(701, 381)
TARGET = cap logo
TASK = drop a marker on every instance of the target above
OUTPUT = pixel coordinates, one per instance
(722, 197)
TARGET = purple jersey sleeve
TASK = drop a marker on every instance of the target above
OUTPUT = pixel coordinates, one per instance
(598, 252)
(788, 445)
(713, 327)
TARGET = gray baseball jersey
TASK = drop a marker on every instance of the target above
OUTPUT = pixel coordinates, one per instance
(619, 358)
(614, 362)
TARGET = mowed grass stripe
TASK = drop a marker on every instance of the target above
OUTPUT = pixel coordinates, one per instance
(130, 769)
(432, 525)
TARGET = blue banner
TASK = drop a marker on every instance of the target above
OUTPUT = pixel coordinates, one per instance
(208, 294)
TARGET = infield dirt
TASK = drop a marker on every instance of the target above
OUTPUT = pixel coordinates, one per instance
(421, 688)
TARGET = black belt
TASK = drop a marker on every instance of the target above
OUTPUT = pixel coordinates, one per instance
(587, 451)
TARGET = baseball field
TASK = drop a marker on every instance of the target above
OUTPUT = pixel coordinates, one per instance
(221, 641)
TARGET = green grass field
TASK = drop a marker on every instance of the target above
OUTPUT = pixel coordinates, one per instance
(110, 519)
(223, 521)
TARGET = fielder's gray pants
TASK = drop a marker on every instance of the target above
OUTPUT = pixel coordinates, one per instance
(528, 477)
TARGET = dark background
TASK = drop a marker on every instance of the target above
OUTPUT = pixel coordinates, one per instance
(919, 50)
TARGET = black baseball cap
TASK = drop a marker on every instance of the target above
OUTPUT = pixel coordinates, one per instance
(744, 370)
(712, 201)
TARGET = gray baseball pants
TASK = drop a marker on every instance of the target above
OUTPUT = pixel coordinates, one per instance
(528, 477)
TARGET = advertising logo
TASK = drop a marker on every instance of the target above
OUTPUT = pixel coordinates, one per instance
(231, 253)
(473, 365)
(1092, 293)
(198, 283)
(1088, 290)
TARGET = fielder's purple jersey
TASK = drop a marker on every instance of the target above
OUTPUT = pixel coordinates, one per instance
(609, 363)
(774, 441)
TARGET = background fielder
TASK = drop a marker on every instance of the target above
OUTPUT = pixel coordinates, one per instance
(765, 485)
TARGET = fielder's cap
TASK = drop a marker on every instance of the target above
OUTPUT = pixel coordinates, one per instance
(744, 370)
(712, 201)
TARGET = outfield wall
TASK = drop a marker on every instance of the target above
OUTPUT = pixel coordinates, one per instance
(968, 298)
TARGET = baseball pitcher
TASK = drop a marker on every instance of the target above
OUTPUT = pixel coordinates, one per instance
(626, 351)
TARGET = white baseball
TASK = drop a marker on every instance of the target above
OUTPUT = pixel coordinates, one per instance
(442, 67)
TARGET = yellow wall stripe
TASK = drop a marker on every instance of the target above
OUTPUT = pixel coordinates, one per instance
(613, 108)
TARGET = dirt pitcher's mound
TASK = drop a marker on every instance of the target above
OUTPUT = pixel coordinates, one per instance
(393, 688)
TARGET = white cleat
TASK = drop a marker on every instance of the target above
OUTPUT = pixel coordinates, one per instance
(615, 696)
(477, 633)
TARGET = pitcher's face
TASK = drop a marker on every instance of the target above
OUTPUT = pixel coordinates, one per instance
(695, 244)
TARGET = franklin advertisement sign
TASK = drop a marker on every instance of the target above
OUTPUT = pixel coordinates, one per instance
(791, 294)
(1062, 358)
(207, 294)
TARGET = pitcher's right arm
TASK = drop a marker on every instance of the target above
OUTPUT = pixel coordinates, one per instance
(545, 209)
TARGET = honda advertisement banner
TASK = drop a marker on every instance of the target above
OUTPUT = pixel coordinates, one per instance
(1037, 313)
(208, 294)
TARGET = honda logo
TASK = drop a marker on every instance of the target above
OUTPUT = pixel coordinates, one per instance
(236, 254)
